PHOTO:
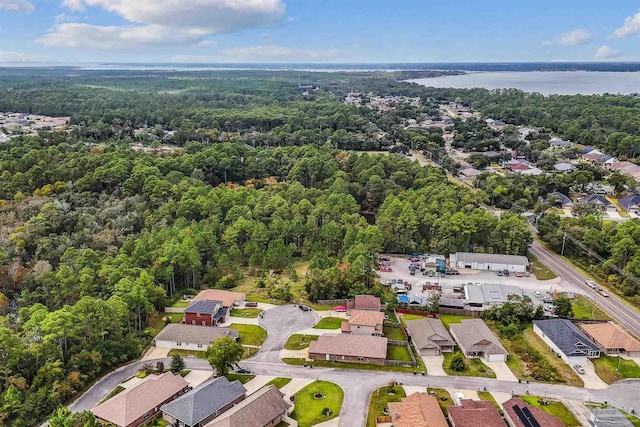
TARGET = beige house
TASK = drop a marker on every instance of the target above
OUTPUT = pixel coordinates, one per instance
(612, 338)
(265, 407)
(363, 322)
(349, 348)
(430, 337)
(475, 339)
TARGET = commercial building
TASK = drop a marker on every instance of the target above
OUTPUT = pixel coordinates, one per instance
(483, 296)
(475, 339)
(566, 340)
(189, 337)
(349, 348)
(490, 262)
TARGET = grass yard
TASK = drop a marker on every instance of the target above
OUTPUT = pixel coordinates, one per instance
(379, 400)
(394, 334)
(540, 270)
(113, 392)
(279, 382)
(282, 424)
(308, 409)
(243, 378)
(554, 408)
(299, 341)
(583, 308)
(396, 352)
(245, 312)
(181, 304)
(347, 365)
(249, 352)
(448, 319)
(474, 367)
(485, 395)
(405, 317)
(250, 334)
(188, 353)
(606, 368)
(156, 324)
(159, 422)
(329, 323)
(444, 399)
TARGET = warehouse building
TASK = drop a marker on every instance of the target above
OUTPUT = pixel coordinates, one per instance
(490, 262)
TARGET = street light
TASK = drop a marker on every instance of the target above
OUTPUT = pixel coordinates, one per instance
(545, 394)
(618, 368)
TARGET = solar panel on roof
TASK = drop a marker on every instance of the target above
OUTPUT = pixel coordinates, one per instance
(532, 419)
(523, 418)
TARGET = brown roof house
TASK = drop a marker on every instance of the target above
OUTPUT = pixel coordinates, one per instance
(430, 337)
(265, 407)
(365, 302)
(475, 339)
(228, 298)
(363, 322)
(612, 339)
(349, 348)
(138, 404)
(474, 413)
(520, 414)
(417, 410)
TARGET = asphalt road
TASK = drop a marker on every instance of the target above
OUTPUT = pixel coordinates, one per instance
(281, 322)
(613, 305)
(358, 386)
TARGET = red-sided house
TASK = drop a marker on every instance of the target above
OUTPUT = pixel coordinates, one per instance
(205, 313)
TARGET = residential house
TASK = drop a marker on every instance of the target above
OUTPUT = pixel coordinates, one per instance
(490, 262)
(205, 313)
(533, 171)
(623, 167)
(229, 299)
(417, 410)
(594, 156)
(600, 202)
(205, 402)
(612, 339)
(475, 339)
(608, 417)
(559, 144)
(565, 339)
(430, 337)
(631, 204)
(563, 167)
(266, 407)
(518, 413)
(363, 322)
(474, 413)
(365, 302)
(349, 348)
(558, 200)
(138, 404)
(191, 337)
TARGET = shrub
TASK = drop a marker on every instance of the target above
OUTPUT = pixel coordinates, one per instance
(457, 363)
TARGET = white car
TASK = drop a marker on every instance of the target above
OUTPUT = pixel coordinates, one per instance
(592, 284)
(578, 368)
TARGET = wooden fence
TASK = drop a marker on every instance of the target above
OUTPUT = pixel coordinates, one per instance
(416, 312)
(333, 301)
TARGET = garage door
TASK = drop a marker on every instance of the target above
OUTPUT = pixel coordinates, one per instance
(496, 358)
(429, 352)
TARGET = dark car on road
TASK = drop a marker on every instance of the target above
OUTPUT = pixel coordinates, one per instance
(505, 272)
(304, 308)
(452, 272)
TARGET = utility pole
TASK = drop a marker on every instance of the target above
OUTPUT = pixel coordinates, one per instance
(564, 239)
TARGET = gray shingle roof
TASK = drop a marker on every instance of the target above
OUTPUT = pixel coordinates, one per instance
(194, 334)
(473, 335)
(631, 200)
(204, 400)
(256, 410)
(596, 199)
(204, 307)
(429, 333)
(569, 339)
(609, 417)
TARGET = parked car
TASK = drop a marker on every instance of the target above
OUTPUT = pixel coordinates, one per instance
(430, 273)
(518, 274)
(242, 370)
(384, 258)
(304, 308)
(452, 271)
(499, 272)
(579, 369)
(537, 294)
(505, 272)
(414, 259)
(250, 304)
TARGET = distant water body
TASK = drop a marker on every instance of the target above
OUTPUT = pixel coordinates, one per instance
(544, 82)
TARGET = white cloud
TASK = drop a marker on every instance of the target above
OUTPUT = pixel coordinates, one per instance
(164, 22)
(16, 5)
(73, 35)
(278, 54)
(571, 38)
(631, 26)
(8, 56)
(606, 52)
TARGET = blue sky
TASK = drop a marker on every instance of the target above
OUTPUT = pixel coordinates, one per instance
(383, 31)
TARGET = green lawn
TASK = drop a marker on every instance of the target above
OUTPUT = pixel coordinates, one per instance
(406, 317)
(188, 353)
(540, 270)
(113, 392)
(485, 395)
(583, 308)
(394, 334)
(299, 341)
(245, 312)
(156, 324)
(308, 409)
(606, 368)
(329, 323)
(243, 378)
(554, 408)
(379, 400)
(254, 298)
(347, 365)
(396, 352)
(448, 319)
(159, 422)
(250, 334)
(279, 382)
(474, 367)
(282, 424)
(249, 352)
(444, 399)
(181, 304)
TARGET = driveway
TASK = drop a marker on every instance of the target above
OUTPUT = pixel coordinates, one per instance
(502, 371)
(281, 322)
(156, 353)
(197, 377)
(434, 365)
(590, 378)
